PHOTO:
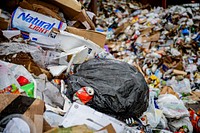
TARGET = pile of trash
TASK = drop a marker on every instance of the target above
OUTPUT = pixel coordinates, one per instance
(164, 44)
(136, 71)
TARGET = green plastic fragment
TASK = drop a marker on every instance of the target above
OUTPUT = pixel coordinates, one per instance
(29, 89)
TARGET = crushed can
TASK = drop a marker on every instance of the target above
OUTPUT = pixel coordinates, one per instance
(84, 95)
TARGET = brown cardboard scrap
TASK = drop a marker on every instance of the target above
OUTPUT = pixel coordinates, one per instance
(146, 31)
(38, 120)
(85, 20)
(35, 108)
(70, 8)
(45, 4)
(122, 28)
(73, 129)
(39, 8)
(178, 72)
(96, 37)
(109, 129)
(3, 24)
(152, 38)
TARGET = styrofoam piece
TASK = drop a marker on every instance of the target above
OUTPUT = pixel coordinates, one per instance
(71, 51)
(70, 41)
(11, 33)
(57, 70)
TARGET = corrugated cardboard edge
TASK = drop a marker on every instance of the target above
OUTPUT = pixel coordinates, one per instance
(70, 8)
(109, 128)
(3, 23)
(121, 28)
(95, 37)
(37, 107)
(82, 17)
(38, 120)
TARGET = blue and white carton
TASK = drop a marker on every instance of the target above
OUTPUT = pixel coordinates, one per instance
(33, 22)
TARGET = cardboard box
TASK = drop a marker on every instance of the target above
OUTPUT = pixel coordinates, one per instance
(95, 37)
(46, 4)
(72, 10)
(19, 104)
(40, 8)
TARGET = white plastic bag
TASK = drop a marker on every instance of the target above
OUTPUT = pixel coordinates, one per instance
(172, 107)
(153, 115)
(7, 77)
(180, 86)
(174, 125)
(19, 70)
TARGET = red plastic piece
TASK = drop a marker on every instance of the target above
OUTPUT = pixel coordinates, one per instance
(22, 80)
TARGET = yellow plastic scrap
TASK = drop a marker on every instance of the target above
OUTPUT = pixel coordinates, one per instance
(155, 80)
(134, 20)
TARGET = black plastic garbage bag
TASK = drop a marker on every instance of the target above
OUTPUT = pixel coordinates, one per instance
(120, 89)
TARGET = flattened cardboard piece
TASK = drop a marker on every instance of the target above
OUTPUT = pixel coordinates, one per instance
(146, 31)
(73, 129)
(178, 72)
(196, 93)
(96, 37)
(53, 130)
(4, 24)
(70, 8)
(46, 126)
(146, 45)
(109, 128)
(122, 28)
(46, 4)
(40, 9)
(38, 120)
(89, 21)
(85, 20)
(18, 104)
(26, 5)
(46, 11)
(153, 38)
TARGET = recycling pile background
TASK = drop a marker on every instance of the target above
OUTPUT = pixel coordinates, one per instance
(136, 69)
